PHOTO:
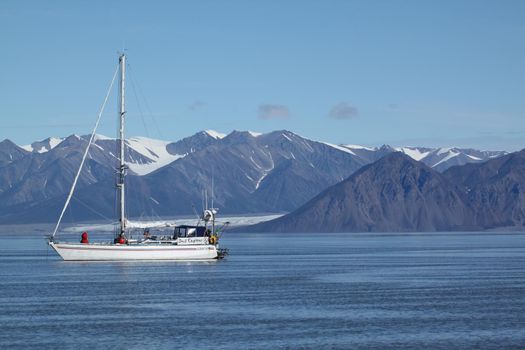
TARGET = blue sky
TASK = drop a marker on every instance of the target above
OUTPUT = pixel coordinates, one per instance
(447, 73)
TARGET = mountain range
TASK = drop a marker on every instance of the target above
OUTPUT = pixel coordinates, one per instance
(397, 193)
(251, 173)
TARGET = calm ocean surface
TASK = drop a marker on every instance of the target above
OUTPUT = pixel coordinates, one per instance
(327, 291)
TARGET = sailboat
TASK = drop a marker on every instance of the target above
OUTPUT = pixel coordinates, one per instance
(185, 242)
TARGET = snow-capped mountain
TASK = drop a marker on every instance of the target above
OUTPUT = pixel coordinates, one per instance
(438, 158)
(443, 158)
(44, 145)
(143, 155)
(253, 172)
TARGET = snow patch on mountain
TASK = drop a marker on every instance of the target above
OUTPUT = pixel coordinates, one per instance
(444, 150)
(44, 145)
(287, 137)
(53, 142)
(99, 137)
(155, 150)
(215, 134)
(451, 154)
(359, 147)
(413, 153)
(340, 148)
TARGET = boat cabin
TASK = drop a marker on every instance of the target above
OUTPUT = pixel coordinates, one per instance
(184, 231)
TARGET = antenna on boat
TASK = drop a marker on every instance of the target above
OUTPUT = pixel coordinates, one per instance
(196, 214)
(212, 192)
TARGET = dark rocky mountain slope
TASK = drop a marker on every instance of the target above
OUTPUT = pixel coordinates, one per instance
(396, 193)
(495, 189)
(10, 152)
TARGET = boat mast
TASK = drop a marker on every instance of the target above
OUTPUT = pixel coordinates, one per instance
(122, 166)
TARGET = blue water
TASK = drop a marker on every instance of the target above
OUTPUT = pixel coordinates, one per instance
(327, 291)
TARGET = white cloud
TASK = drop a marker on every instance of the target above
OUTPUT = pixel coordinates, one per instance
(196, 105)
(271, 111)
(343, 111)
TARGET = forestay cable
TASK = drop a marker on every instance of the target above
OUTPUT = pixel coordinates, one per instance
(85, 154)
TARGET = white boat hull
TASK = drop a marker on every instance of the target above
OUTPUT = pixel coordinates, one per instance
(117, 252)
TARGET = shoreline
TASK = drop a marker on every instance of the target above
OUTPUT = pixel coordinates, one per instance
(104, 226)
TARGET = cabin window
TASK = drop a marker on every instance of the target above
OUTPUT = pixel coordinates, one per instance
(196, 231)
(181, 232)
(200, 231)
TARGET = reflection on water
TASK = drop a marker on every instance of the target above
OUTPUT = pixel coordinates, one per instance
(338, 291)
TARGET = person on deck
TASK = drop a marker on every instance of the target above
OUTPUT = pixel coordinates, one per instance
(84, 239)
(120, 239)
